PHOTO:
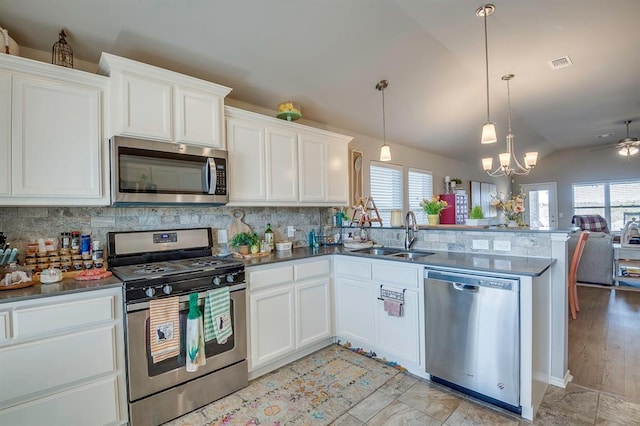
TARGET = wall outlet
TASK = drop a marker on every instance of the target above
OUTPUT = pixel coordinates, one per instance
(502, 245)
(291, 231)
(481, 244)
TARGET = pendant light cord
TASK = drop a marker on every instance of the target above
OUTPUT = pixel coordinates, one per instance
(486, 60)
(384, 125)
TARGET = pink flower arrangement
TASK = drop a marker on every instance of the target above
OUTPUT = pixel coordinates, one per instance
(512, 208)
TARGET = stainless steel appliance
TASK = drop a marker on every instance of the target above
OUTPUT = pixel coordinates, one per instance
(167, 263)
(473, 335)
(160, 173)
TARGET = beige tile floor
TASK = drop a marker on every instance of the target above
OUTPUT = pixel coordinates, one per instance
(408, 400)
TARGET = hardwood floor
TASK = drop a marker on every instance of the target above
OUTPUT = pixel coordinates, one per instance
(604, 341)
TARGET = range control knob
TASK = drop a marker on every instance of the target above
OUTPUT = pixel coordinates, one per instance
(167, 289)
(230, 278)
(216, 281)
(150, 292)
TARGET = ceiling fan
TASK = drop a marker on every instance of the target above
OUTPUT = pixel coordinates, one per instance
(627, 146)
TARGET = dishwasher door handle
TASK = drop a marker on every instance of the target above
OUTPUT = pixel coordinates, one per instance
(466, 287)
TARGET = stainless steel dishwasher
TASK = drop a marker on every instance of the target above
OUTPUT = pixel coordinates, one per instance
(473, 335)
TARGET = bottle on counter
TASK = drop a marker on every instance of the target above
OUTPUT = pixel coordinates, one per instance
(269, 238)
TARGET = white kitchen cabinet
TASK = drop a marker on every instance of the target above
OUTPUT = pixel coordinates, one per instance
(5, 134)
(360, 316)
(277, 163)
(64, 351)
(289, 311)
(56, 149)
(323, 169)
(154, 103)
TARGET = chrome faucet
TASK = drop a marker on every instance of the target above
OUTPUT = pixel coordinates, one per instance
(410, 228)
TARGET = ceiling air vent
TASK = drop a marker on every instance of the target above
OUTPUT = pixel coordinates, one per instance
(562, 62)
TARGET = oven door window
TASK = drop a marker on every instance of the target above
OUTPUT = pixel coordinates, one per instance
(211, 349)
(144, 171)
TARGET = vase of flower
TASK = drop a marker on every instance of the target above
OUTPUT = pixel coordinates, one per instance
(432, 208)
(512, 209)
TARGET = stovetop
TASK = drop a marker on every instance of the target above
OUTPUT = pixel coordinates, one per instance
(152, 270)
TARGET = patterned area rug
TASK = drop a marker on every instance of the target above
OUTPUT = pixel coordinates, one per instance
(314, 390)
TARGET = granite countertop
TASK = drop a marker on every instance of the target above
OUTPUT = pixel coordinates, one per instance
(528, 266)
(516, 265)
(66, 286)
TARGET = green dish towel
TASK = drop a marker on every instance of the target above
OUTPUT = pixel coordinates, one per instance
(217, 315)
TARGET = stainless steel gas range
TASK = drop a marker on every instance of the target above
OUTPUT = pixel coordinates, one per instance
(168, 264)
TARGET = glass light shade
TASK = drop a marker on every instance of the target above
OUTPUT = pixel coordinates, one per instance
(531, 159)
(504, 159)
(489, 133)
(487, 164)
(385, 153)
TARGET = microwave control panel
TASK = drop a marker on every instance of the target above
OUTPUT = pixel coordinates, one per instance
(221, 176)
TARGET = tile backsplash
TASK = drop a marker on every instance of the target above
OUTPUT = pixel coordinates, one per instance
(22, 224)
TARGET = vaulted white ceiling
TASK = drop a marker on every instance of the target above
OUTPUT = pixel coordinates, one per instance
(327, 56)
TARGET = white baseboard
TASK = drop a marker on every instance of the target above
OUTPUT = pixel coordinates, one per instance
(561, 382)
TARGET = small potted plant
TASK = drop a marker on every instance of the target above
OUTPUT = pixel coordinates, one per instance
(433, 208)
(476, 217)
(245, 241)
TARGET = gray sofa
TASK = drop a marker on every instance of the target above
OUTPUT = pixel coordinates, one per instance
(596, 265)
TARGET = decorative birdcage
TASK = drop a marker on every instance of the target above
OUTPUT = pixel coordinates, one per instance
(61, 53)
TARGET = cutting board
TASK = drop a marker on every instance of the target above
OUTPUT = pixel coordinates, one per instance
(237, 225)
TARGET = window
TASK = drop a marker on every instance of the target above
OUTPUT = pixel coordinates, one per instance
(420, 187)
(386, 189)
(615, 201)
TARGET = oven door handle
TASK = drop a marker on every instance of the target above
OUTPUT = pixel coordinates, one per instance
(184, 298)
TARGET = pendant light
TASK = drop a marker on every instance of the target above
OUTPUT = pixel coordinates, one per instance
(509, 164)
(488, 128)
(385, 151)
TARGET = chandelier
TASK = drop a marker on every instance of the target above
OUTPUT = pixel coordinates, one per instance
(509, 164)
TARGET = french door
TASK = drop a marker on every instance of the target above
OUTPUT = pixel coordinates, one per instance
(542, 205)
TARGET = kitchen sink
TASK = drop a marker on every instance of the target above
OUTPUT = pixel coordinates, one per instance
(378, 251)
(411, 255)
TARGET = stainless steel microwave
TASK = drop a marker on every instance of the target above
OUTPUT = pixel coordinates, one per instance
(162, 173)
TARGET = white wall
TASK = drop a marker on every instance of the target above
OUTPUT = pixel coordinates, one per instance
(571, 166)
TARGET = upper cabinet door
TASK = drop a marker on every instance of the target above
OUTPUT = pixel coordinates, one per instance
(146, 107)
(246, 161)
(5, 134)
(198, 118)
(312, 168)
(337, 172)
(282, 161)
(56, 139)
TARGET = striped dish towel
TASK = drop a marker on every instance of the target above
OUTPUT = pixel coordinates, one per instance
(164, 328)
(217, 315)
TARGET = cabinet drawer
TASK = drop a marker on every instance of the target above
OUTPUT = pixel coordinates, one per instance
(92, 404)
(320, 268)
(262, 278)
(392, 273)
(353, 268)
(50, 363)
(36, 320)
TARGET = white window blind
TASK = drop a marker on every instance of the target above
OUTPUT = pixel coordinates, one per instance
(386, 189)
(617, 202)
(420, 187)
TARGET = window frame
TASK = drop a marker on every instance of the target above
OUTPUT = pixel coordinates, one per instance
(607, 207)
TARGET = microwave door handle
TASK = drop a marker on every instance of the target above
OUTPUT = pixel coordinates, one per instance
(210, 176)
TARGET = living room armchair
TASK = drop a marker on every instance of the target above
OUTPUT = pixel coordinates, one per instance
(596, 265)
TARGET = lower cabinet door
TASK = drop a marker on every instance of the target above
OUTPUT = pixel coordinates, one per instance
(399, 336)
(313, 311)
(272, 324)
(354, 308)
